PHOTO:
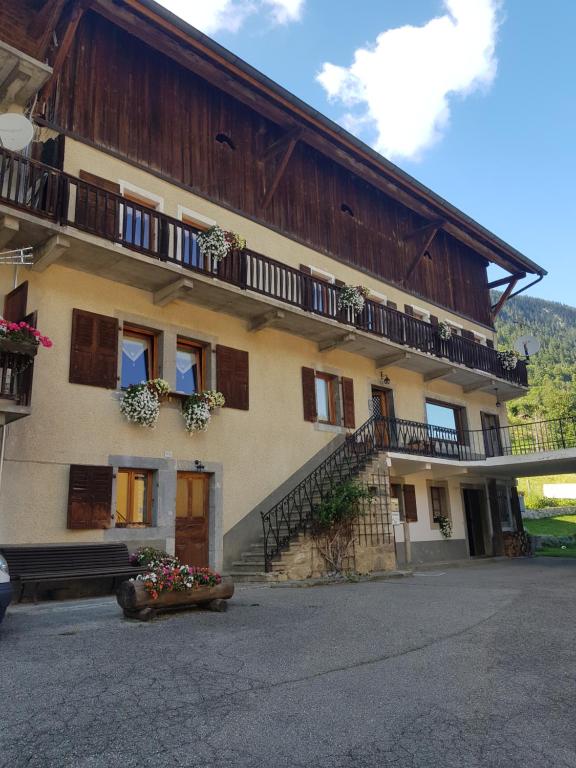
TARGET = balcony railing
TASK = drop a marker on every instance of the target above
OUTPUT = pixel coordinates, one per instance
(66, 200)
(413, 437)
(16, 377)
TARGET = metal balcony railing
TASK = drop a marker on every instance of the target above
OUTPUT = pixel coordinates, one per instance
(69, 201)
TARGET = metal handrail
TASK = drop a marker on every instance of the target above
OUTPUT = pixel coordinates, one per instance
(74, 202)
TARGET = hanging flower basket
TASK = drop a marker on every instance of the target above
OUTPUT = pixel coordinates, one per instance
(140, 404)
(508, 359)
(160, 387)
(444, 331)
(353, 297)
(445, 525)
(216, 243)
(197, 409)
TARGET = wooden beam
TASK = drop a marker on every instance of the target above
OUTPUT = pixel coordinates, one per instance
(503, 299)
(64, 49)
(435, 223)
(173, 291)
(49, 252)
(9, 227)
(341, 341)
(506, 280)
(438, 373)
(419, 256)
(266, 320)
(279, 173)
(278, 146)
(393, 357)
(44, 24)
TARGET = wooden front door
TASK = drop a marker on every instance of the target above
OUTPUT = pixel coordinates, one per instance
(383, 407)
(192, 518)
(491, 432)
(474, 506)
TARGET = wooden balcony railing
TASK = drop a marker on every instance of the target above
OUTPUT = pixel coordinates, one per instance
(16, 377)
(70, 201)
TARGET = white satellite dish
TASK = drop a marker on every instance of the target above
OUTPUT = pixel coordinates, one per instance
(527, 345)
(16, 131)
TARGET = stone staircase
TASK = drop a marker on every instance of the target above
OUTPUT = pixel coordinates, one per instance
(293, 561)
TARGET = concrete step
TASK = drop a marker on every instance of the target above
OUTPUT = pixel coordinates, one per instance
(253, 554)
(249, 577)
(242, 566)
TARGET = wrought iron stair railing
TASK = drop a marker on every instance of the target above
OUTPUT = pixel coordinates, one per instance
(295, 512)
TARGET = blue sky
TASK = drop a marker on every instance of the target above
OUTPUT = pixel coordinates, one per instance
(504, 70)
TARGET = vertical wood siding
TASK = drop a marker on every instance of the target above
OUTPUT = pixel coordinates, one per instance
(124, 96)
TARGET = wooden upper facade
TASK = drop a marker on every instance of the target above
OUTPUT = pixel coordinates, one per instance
(131, 81)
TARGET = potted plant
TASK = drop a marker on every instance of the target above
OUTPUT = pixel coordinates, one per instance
(445, 525)
(216, 243)
(167, 584)
(508, 359)
(353, 297)
(197, 409)
(444, 330)
(21, 338)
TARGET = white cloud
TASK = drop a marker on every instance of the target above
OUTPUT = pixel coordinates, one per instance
(229, 15)
(401, 86)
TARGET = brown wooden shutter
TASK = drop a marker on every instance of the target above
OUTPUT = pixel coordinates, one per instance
(98, 181)
(232, 376)
(309, 394)
(408, 309)
(90, 497)
(15, 303)
(348, 403)
(410, 509)
(433, 320)
(468, 335)
(94, 350)
(392, 304)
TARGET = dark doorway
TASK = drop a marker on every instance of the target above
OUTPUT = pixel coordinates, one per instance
(475, 506)
(383, 410)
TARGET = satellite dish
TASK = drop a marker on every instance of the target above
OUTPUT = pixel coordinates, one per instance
(16, 131)
(527, 345)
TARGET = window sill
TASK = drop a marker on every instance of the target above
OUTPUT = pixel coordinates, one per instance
(321, 426)
(133, 526)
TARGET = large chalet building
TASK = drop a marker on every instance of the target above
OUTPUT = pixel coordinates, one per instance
(148, 134)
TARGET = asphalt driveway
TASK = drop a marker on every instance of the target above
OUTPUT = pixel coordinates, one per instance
(459, 668)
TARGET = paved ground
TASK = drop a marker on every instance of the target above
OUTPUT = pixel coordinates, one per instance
(462, 668)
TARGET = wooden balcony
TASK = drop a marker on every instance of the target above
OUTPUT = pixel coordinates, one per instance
(126, 242)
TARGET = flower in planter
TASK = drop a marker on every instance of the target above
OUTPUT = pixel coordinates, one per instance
(445, 525)
(159, 386)
(177, 578)
(140, 404)
(508, 359)
(216, 243)
(152, 558)
(444, 330)
(23, 333)
(353, 297)
(197, 409)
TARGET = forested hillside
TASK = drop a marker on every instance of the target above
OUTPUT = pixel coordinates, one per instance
(552, 371)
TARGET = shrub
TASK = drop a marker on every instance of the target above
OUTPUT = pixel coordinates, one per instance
(341, 504)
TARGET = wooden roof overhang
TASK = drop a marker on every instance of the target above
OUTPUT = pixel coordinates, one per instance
(188, 46)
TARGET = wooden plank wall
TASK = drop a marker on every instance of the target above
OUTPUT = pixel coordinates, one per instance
(120, 94)
(15, 16)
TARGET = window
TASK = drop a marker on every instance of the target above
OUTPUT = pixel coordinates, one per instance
(187, 245)
(421, 314)
(189, 367)
(139, 358)
(326, 398)
(504, 507)
(323, 296)
(137, 224)
(133, 498)
(438, 503)
(446, 421)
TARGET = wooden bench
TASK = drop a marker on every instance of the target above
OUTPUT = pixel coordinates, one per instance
(40, 563)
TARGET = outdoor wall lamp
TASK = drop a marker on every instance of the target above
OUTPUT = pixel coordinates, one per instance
(199, 466)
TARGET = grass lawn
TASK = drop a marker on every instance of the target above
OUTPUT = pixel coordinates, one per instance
(561, 525)
(556, 552)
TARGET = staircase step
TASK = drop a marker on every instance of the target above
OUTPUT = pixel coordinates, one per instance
(250, 566)
(250, 576)
(254, 554)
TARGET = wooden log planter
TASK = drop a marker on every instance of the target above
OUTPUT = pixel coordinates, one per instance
(136, 603)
